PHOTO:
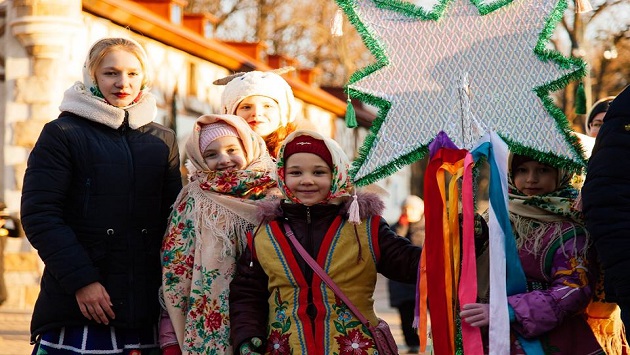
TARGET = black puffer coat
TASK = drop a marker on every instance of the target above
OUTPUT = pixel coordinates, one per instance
(95, 204)
(606, 198)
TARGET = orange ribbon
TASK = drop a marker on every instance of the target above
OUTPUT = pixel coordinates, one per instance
(440, 259)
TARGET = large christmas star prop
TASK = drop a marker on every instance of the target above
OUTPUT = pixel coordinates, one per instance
(496, 54)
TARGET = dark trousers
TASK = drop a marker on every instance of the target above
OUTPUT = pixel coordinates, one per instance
(406, 321)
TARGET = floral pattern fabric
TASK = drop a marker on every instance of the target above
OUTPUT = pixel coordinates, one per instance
(206, 235)
(198, 291)
(249, 184)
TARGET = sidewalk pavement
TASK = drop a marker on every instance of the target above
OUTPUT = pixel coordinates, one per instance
(14, 332)
(14, 324)
(390, 315)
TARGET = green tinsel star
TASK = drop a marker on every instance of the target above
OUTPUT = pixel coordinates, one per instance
(503, 50)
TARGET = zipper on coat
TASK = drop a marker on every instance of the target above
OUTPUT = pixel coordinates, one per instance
(86, 198)
(124, 131)
(124, 127)
(311, 310)
(308, 239)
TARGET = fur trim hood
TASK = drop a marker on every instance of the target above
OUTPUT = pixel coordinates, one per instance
(78, 100)
(370, 204)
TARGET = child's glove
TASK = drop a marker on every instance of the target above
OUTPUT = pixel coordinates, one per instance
(171, 350)
(251, 347)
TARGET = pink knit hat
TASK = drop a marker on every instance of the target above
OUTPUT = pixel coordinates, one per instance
(213, 131)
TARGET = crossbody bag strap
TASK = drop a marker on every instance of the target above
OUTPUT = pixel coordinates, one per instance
(323, 275)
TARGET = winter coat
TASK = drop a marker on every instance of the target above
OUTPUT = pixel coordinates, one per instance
(559, 289)
(395, 258)
(95, 203)
(606, 197)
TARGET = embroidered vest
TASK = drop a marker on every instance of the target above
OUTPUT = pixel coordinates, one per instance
(334, 328)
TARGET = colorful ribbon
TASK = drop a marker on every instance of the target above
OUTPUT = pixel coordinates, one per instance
(467, 292)
(448, 263)
(441, 240)
(506, 273)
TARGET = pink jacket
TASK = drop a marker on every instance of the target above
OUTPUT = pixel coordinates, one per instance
(166, 331)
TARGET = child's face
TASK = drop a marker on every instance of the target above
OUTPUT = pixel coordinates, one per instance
(225, 153)
(308, 177)
(119, 77)
(533, 178)
(261, 113)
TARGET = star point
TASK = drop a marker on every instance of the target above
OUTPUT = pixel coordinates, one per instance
(416, 82)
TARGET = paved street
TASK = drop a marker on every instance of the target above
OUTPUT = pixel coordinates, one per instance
(14, 334)
(390, 315)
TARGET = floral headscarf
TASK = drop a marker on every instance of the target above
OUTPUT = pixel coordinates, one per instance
(206, 235)
(528, 213)
(341, 182)
(251, 182)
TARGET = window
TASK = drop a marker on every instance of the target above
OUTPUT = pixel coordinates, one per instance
(176, 14)
(208, 30)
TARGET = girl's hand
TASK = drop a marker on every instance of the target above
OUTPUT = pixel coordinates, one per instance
(476, 314)
(94, 303)
(251, 347)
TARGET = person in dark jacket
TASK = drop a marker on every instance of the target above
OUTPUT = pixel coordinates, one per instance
(402, 296)
(606, 201)
(277, 304)
(97, 193)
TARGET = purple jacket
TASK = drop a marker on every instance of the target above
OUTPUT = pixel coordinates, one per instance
(559, 289)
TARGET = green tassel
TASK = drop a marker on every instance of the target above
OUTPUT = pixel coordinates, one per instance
(351, 116)
(580, 100)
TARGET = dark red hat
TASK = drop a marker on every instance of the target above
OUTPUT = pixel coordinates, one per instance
(308, 144)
